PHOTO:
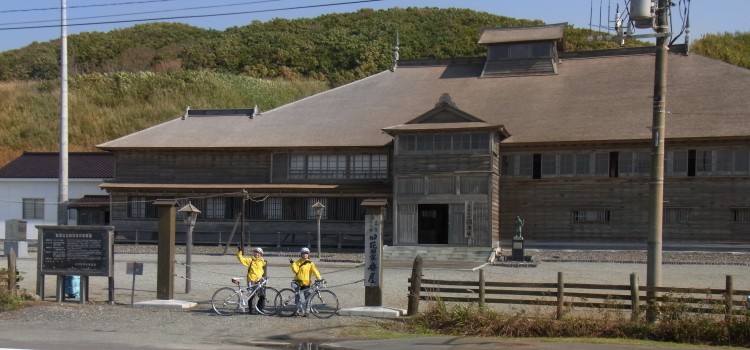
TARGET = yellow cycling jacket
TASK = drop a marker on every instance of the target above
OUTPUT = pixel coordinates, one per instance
(303, 270)
(256, 267)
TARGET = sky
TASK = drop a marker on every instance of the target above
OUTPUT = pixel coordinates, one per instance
(23, 22)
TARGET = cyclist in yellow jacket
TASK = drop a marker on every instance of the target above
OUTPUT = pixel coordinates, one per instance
(303, 270)
(256, 270)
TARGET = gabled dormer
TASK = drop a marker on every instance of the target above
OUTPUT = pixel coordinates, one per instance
(520, 51)
(445, 111)
(445, 129)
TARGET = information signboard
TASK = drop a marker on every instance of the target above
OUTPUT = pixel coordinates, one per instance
(76, 250)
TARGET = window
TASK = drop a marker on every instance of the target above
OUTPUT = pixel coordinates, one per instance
(338, 166)
(574, 164)
(722, 161)
(443, 142)
(518, 165)
(601, 164)
(526, 165)
(297, 166)
(677, 162)
(137, 207)
(140, 207)
(591, 216)
(677, 215)
(33, 208)
(549, 165)
(742, 161)
(369, 166)
(703, 161)
(461, 143)
(742, 215)
(272, 208)
(520, 51)
(300, 208)
(634, 164)
(215, 208)
(326, 166)
(583, 164)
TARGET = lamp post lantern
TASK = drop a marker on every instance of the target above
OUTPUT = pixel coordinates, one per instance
(318, 214)
(191, 215)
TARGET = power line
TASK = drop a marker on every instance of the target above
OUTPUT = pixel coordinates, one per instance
(145, 12)
(195, 16)
(84, 6)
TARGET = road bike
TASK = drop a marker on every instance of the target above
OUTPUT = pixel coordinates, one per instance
(321, 303)
(228, 301)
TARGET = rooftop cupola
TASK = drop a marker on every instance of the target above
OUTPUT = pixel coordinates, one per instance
(520, 51)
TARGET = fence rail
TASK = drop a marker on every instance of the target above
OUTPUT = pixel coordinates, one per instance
(582, 295)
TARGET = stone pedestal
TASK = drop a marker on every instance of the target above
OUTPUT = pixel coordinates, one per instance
(518, 250)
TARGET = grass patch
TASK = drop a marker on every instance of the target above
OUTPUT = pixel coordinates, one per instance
(674, 326)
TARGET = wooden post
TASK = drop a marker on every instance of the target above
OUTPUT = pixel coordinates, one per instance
(416, 284)
(12, 271)
(165, 258)
(560, 295)
(635, 298)
(728, 302)
(481, 287)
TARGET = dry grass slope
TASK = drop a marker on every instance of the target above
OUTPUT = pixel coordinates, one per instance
(103, 107)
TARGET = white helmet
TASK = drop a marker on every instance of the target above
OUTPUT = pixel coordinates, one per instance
(258, 249)
(304, 250)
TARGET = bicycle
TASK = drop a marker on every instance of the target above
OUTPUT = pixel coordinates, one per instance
(228, 301)
(320, 303)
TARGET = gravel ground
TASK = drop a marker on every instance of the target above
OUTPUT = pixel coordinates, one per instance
(604, 256)
(344, 274)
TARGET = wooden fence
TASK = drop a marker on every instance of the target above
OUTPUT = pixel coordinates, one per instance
(563, 295)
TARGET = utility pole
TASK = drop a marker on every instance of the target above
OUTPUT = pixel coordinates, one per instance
(62, 198)
(658, 136)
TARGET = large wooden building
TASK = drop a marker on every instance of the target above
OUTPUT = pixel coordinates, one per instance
(460, 148)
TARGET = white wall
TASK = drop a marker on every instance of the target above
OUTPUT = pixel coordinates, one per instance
(13, 191)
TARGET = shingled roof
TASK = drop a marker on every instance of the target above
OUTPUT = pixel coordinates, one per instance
(81, 165)
(597, 96)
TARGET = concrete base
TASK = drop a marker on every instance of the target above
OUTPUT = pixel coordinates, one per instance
(165, 304)
(373, 311)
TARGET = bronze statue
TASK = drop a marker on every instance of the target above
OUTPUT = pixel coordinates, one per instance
(519, 226)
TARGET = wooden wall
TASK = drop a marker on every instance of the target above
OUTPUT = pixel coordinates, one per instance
(546, 205)
(197, 167)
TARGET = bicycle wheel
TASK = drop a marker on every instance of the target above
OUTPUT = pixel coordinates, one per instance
(284, 302)
(324, 304)
(269, 307)
(226, 301)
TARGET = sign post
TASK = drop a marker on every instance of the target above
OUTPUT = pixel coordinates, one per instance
(133, 268)
(75, 250)
(375, 209)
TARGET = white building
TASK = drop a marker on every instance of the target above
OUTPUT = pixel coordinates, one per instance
(29, 186)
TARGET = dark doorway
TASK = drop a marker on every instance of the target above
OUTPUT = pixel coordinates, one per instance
(433, 224)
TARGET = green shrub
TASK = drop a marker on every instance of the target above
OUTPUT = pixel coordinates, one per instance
(9, 300)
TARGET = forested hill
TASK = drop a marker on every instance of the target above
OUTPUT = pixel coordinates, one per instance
(337, 48)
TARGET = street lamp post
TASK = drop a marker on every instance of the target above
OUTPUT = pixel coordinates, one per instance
(191, 215)
(318, 214)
